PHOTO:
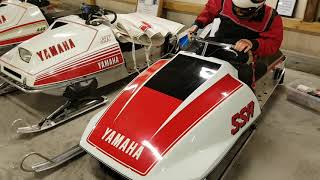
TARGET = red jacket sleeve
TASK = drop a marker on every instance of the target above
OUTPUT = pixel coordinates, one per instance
(270, 41)
(211, 10)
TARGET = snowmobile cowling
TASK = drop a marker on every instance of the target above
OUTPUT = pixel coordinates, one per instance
(176, 120)
(19, 21)
(62, 54)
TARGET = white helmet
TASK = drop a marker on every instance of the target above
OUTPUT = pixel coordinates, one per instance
(246, 8)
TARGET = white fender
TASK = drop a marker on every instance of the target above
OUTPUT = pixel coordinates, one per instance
(20, 21)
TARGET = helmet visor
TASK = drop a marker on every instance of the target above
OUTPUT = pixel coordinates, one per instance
(257, 1)
(244, 12)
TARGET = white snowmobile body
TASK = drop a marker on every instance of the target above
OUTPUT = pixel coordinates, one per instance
(176, 120)
(19, 21)
(69, 51)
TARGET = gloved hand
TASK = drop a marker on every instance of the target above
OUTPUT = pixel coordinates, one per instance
(193, 29)
(244, 58)
(243, 45)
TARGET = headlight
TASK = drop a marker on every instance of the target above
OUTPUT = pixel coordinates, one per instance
(25, 55)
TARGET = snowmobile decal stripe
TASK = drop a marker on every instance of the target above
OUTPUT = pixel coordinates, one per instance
(74, 69)
(17, 40)
(85, 58)
(79, 62)
(76, 66)
(87, 69)
(134, 138)
(96, 52)
(27, 24)
(130, 91)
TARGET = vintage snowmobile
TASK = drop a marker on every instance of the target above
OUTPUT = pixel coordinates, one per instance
(74, 57)
(192, 109)
(22, 20)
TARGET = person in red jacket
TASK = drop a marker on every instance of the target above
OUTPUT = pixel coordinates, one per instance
(248, 24)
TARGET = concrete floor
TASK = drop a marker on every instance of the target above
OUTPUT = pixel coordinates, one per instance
(286, 145)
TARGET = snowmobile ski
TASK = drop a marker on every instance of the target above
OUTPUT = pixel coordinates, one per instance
(6, 88)
(51, 163)
(69, 110)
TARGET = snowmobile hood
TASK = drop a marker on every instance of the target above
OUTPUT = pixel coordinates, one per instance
(11, 13)
(157, 112)
(19, 21)
(63, 40)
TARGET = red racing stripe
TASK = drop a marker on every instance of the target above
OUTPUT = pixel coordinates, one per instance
(195, 112)
(22, 25)
(133, 87)
(153, 116)
(78, 61)
(94, 59)
(142, 121)
(78, 71)
(88, 58)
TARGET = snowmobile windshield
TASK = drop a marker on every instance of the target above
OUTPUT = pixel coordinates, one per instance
(182, 76)
(39, 3)
(58, 24)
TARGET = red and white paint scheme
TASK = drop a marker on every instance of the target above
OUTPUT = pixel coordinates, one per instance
(164, 127)
(68, 51)
(19, 21)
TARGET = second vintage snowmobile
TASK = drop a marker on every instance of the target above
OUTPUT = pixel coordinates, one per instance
(74, 57)
(182, 118)
(22, 20)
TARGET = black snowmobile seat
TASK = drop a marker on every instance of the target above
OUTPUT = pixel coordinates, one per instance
(51, 17)
(261, 67)
(264, 64)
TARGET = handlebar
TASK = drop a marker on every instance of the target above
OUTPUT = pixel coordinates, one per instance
(224, 46)
(113, 13)
(209, 48)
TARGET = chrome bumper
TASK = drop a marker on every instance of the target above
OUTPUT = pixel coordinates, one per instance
(24, 88)
(20, 86)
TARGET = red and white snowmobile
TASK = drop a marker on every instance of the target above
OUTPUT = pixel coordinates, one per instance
(74, 57)
(22, 20)
(179, 119)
